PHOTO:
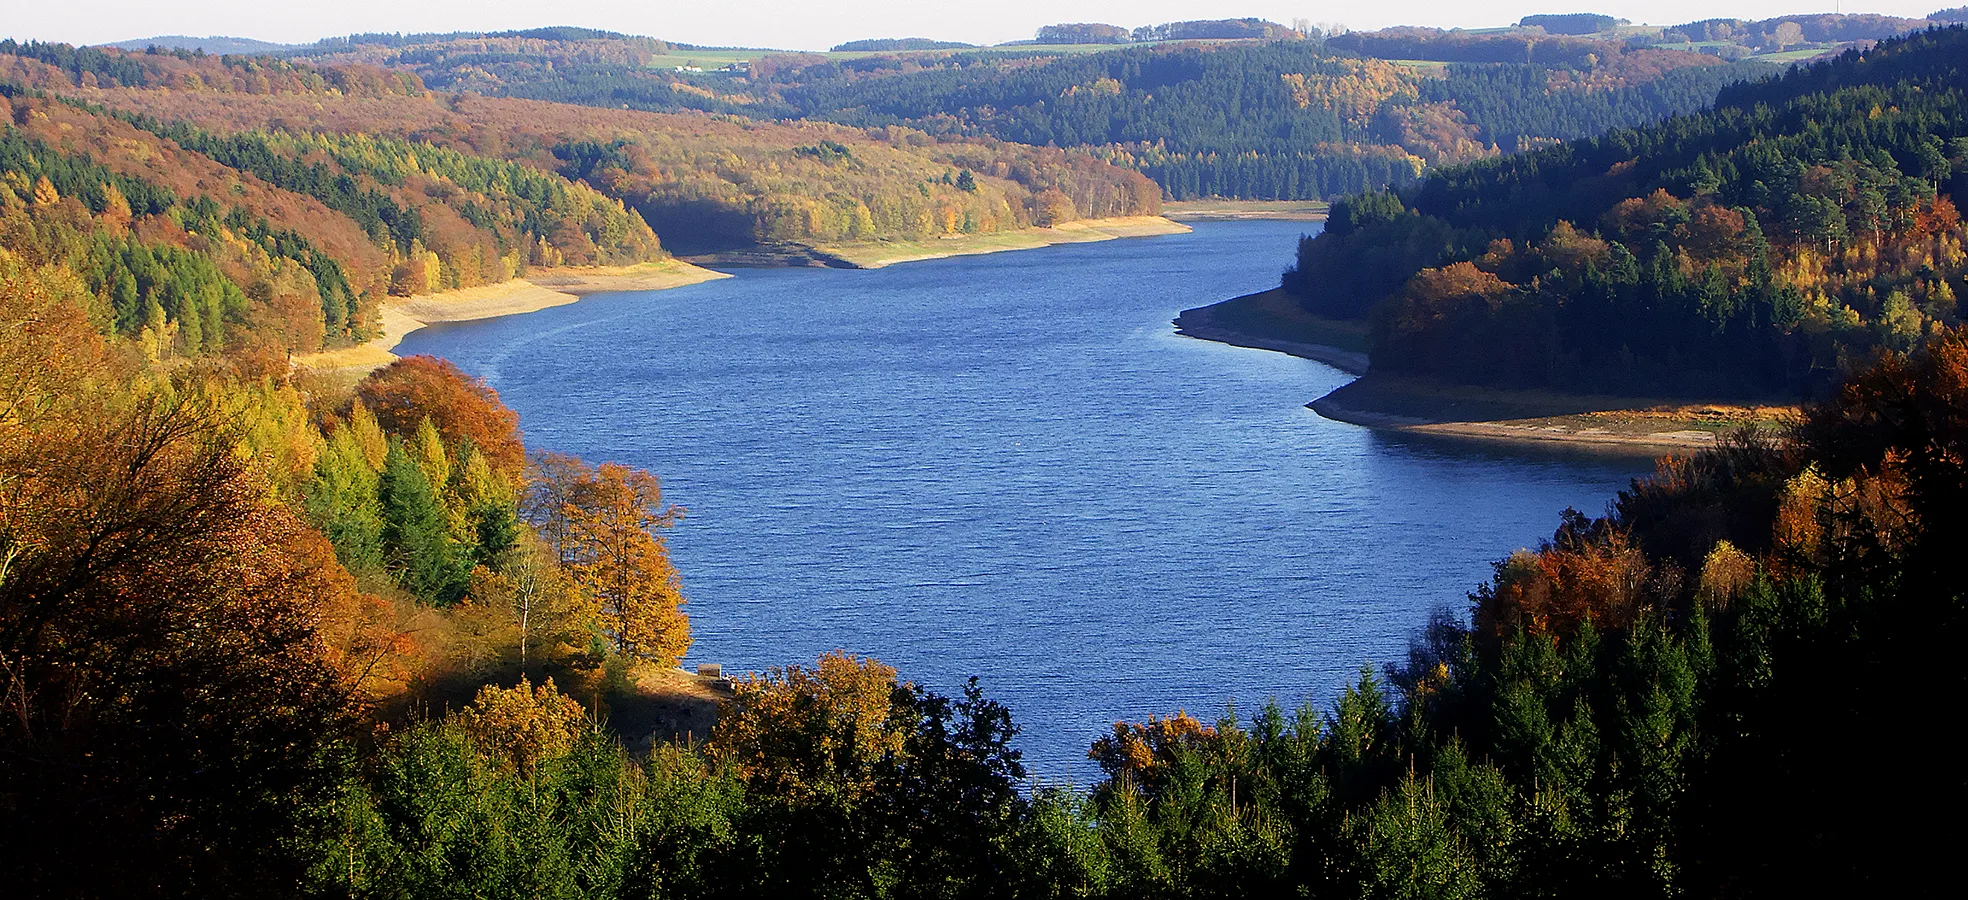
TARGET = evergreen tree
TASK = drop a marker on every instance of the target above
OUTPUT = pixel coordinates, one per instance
(417, 542)
(343, 501)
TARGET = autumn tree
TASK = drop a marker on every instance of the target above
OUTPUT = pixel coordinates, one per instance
(168, 703)
(554, 619)
(520, 726)
(856, 778)
(613, 513)
(463, 409)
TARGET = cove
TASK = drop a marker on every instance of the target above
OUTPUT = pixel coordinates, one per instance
(1009, 466)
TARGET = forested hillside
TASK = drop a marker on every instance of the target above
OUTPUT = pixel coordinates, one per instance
(1763, 247)
(262, 635)
(268, 634)
(1273, 120)
(258, 243)
(1277, 120)
(455, 179)
(217, 578)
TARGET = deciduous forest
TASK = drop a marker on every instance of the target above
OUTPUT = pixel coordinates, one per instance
(265, 632)
(1271, 120)
(1768, 246)
(460, 189)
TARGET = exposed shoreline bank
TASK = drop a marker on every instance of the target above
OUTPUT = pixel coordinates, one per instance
(1218, 210)
(876, 254)
(544, 289)
(548, 288)
(1239, 321)
(1270, 321)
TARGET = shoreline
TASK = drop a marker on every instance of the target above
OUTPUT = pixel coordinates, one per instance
(548, 288)
(1521, 432)
(1219, 210)
(879, 254)
(1594, 423)
(1230, 322)
(545, 289)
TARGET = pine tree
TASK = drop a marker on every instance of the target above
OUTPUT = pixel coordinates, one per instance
(416, 536)
(342, 501)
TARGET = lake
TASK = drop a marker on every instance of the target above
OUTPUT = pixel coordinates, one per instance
(1010, 466)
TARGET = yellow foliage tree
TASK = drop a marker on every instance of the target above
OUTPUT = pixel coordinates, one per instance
(525, 725)
(612, 513)
(808, 734)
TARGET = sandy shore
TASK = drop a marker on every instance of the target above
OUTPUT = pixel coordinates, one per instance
(1235, 210)
(1586, 421)
(543, 289)
(1271, 320)
(1575, 433)
(876, 254)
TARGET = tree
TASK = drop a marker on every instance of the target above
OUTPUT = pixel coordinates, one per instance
(612, 513)
(343, 502)
(521, 726)
(554, 618)
(165, 701)
(417, 541)
(462, 409)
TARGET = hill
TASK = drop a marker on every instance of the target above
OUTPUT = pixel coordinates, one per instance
(215, 44)
(706, 183)
(1278, 119)
(1763, 247)
(879, 45)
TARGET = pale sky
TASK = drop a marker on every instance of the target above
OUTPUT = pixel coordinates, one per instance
(814, 24)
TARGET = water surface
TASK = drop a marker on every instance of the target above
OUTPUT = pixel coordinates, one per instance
(1010, 466)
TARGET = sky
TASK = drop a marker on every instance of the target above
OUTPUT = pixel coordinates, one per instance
(814, 24)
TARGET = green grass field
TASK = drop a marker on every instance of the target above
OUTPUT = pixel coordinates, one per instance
(1790, 56)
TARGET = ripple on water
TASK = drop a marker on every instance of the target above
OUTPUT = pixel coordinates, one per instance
(1008, 466)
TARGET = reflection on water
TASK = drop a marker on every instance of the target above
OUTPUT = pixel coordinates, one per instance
(1009, 466)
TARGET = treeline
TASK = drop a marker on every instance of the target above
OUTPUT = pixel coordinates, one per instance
(1204, 109)
(1695, 694)
(1242, 120)
(222, 581)
(1580, 39)
(188, 70)
(1763, 247)
(882, 45)
(1571, 23)
(1820, 28)
(1413, 42)
(182, 276)
(1193, 30)
(400, 39)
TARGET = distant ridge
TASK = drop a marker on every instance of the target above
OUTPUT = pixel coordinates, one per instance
(213, 44)
(911, 43)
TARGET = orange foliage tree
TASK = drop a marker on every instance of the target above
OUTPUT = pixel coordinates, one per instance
(601, 523)
(1590, 570)
(404, 393)
(166, 697)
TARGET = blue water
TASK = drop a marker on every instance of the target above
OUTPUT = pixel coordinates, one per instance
(1010, 466)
